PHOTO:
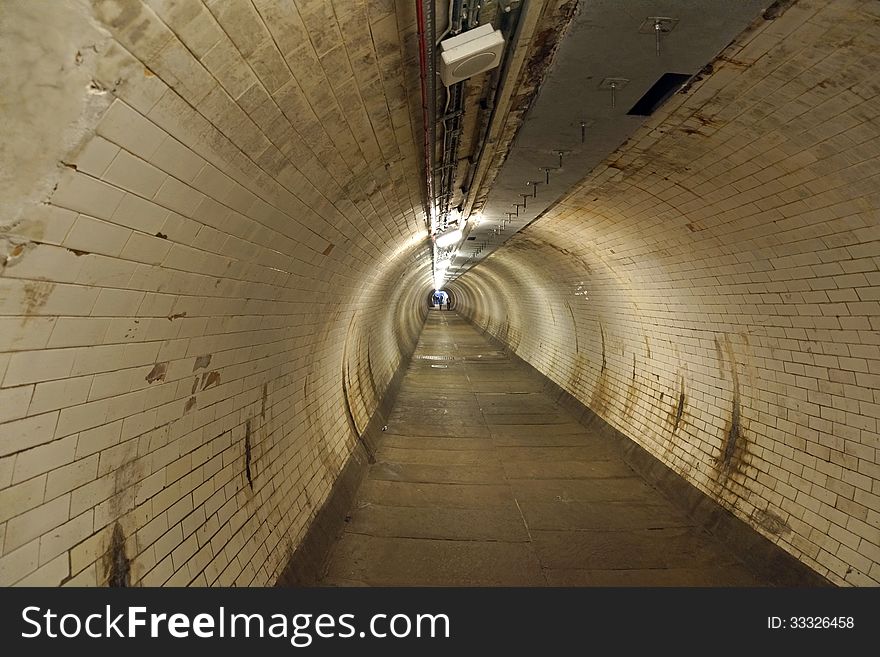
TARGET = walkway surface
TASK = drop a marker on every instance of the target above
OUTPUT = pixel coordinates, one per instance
(481, 479)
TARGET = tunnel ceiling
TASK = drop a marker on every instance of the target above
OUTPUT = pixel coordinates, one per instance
(607, 41)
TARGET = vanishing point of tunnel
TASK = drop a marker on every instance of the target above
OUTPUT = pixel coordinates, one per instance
(416, 292)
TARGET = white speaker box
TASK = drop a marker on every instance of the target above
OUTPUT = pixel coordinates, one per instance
(469, 53)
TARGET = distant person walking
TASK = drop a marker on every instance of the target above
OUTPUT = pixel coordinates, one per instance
(448, 302)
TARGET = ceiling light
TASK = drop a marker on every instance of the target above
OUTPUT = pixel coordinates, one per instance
(448, 239)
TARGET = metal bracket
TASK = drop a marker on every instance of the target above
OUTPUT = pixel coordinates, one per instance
(546, 171)
(650, 25)
(658, 25)
(613, 84)
(561, 153)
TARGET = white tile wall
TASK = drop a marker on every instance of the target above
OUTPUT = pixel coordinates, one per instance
(192, 224)
(750, 247)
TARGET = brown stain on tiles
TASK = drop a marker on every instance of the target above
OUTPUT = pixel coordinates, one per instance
(36, 294)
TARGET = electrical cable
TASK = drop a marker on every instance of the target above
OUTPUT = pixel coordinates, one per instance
(449, 26)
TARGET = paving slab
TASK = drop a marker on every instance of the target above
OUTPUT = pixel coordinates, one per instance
(610, 489)
(562, 429)
(670, 547)
(422, 494)
(726, 576)
(502, 523)
(383, 561)
(608, 516)
(437, 442)
(573, 453)
(566, 469)
(486, 473)
(427, 456)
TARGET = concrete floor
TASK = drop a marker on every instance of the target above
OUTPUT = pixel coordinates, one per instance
(481, 479)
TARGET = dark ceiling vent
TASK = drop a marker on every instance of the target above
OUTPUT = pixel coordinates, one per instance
(663, 88)
(472, 237)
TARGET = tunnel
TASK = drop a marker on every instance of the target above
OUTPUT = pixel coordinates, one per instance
(223, 222)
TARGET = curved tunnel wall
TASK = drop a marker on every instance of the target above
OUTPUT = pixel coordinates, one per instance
(712, 290)
(213, 261)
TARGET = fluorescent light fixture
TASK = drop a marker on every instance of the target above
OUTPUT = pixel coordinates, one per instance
(448, 239)
(443, 265)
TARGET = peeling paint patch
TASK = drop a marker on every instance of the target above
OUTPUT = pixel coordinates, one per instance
(12, 252)
(265, 396)
(162, 236)
(95, 88)
(776, 10)
(211, 379)
(202, 361)
(708, 69)
(157, 373)
(171, 318)
(190, 404)
(330, 248)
